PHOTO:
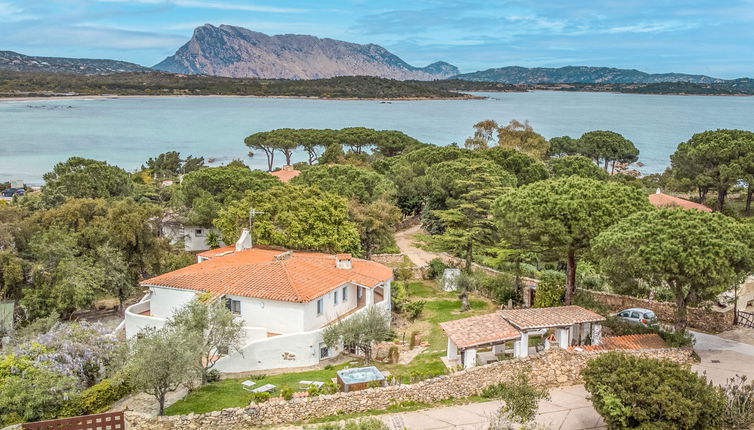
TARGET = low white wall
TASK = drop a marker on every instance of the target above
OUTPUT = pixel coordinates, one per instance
(166, 300)
(136, 323)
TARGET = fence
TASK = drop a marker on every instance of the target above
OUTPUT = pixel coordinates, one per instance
(745, 319)
(106, 421)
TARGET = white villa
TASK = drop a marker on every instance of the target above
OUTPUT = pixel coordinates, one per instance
(285, 299)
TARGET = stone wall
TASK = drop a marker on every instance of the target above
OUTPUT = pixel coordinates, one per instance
(707, 320)
(391, 260)
(556, 367)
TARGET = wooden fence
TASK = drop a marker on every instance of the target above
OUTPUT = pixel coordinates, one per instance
(745, 319)
(106, 421)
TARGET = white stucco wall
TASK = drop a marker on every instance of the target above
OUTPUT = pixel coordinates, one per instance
(276, 316)
(330, 310)
(164, 301)
(136, 322)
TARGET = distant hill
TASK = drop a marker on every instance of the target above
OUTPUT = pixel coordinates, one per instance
(16, 62)
(579, 74)
(241, 53)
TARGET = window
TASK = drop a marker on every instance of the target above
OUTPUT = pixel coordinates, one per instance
(234, 306)
(635, 315)
(199, 232)
(624, 314)
(323, 351)
(345, 293)
(319, 306)
(335, 297)
(649, 315)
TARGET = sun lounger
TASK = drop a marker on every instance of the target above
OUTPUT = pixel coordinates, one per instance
(248, 384)
(264, 388)
(307, 384)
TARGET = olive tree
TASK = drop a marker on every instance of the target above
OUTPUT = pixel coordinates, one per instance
(694, 254)
(565, 214)
(360, 331)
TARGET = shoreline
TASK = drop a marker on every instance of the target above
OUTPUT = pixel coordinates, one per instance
(136, 96)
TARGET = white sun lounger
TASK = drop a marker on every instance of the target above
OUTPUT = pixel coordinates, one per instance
(264, 388)
(307, 384)
(248, 384)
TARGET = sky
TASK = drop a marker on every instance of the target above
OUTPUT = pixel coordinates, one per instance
(712, 37)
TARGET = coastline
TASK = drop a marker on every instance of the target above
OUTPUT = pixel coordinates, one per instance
(136, 96)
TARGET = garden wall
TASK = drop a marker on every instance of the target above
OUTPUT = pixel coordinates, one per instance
(707, 320)
(556, 367)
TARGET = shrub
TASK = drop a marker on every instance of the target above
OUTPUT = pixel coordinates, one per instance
(213, 375)
(550, 290)
(97, 398)
(393, 355)
(286, 393)
(399, 296)
(633, 392)
(620, 327)
(414, 309)
(501, 288)
(260, 397)
(329, 388)
(436, 268)
(520, 401)
(258, 377)
(739, 407)
(365, 424)
(414, 340)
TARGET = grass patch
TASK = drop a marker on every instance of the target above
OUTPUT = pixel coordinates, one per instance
(229, 393)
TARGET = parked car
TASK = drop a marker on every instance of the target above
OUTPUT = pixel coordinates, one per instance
(10, 192)
(641, 316)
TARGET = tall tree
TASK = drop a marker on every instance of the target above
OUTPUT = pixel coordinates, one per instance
(212, 328)
(160, 362)
(376, 223)
(694, 254)
(608, 146)
(84, 178)
(567, 213)
(522, 137)
(484, 133)
(360, 331)
(575, 165)
(526, 168)
(715, 159)
(295, 217)
(351, 182)
(262, 142)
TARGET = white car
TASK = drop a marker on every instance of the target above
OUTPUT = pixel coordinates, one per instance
(641, 316)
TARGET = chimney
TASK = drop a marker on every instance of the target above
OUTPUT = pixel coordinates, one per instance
(658, 191)
(343, 261)
(244, 242)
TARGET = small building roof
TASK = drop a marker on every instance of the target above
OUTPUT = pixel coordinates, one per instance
(265, 273)
(286, 173)
(629, 342)
(559, 316)
(660, 200)
(479, 330)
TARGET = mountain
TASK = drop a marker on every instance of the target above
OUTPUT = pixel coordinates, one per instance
(238, 52)
(579, 74)
(16, 62)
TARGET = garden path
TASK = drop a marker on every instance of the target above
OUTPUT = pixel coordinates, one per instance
(404, 239)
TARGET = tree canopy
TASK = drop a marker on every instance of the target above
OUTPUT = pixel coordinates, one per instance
(575, 165)
(84, 178)
(567, 213)
(351, 182)
(608, 146)
(694, 254)
(295, 216)
(170, 164)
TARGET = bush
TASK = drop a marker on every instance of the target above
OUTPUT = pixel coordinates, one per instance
(399, 296)
(620, 327)
(257, 377)
(520, 401)
(501, 288)
(550, 290)
(213, 375)
(632, 392)
(436, 268)
(97, 398)
(739, 407)
(329, 388)
(414, 309)
(365, 424)
(286, 393)
(260, 397)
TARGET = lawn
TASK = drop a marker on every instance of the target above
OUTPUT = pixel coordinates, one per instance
(229, 393)
(440, 306)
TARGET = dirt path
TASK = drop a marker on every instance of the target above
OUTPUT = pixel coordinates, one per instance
(405, 241)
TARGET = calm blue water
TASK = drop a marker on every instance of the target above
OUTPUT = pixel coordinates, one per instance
(36, 135)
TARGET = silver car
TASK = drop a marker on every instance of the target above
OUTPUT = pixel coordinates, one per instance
(641, 316)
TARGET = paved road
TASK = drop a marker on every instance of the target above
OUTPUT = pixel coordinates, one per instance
(723, 358)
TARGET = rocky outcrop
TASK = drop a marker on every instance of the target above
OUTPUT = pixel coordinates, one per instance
(552, 368)
(10, 60)
(238, 52)
(579, 74)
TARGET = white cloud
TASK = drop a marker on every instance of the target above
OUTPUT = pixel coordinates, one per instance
(12, 13)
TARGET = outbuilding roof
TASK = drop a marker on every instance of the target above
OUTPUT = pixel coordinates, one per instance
(661, 201)
(286, 173)
(628, 342)
(290, 276)
(559, 316)
(479, 330)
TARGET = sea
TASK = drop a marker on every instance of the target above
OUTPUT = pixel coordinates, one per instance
(34, 135)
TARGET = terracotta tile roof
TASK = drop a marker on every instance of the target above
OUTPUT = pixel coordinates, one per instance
(290, 276)
(661, 200)
(217, 252)
(559, 316)
(479, 330)
(285, 175)
(630, 342)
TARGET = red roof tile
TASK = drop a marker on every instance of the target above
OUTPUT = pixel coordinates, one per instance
(629, 342)
(479, 330)
(290, 276)
(559, 316)
(285, 175)
(661, 200)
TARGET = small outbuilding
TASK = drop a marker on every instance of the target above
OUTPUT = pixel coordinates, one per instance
(466, 336)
